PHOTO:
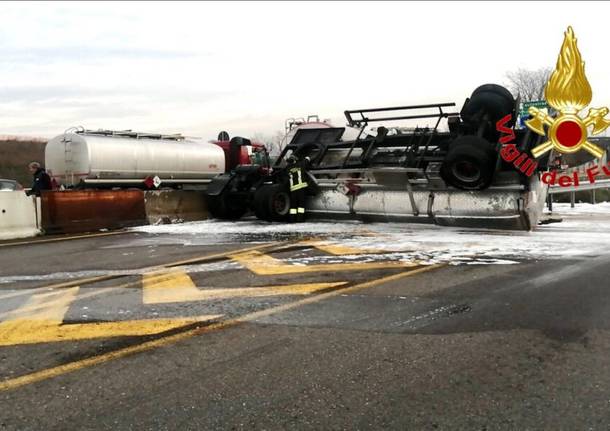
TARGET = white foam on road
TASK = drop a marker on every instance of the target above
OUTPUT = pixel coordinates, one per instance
(252, 226)
(585, 230)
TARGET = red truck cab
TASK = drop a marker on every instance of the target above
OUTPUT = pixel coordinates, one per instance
(253, 154)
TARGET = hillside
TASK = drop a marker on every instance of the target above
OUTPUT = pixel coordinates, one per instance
(16, 153)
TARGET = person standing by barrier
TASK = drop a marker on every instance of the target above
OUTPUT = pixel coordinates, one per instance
(42, 180)
(297, 188)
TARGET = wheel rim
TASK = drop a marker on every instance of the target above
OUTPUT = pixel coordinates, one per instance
(466, 171)
(281, 203)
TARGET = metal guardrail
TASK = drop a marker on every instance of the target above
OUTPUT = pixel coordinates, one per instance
(584, 185)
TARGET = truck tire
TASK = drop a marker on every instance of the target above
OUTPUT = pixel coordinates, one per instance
(224, 207)
(492, 100)
(272, 202)
(469, 164)
(259, 204)
(494, 88)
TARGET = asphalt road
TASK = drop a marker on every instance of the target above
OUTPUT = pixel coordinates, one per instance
(135, 331)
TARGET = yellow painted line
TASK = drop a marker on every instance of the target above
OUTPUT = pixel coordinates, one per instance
(179, 287)
(175, 286)
(68, 238)
(40, 320)
(80, 296)
(21, 292)
(312, 299)
(79, 282)
(152, 269)
(49, 307)
(286, 289)
(262, 264)
(337, 249)
(28, 331)
(48, 373)
(219, 255)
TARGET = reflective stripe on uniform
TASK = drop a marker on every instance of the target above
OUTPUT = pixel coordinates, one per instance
(301, 210)
(298, 187)
(296, 180)
(293, 210)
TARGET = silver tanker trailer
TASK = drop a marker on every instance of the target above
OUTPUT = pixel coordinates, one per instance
(97, 158)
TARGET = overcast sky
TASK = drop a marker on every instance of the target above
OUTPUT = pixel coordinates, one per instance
(197, 68)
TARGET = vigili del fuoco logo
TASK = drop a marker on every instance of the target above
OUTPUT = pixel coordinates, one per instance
(568, 92)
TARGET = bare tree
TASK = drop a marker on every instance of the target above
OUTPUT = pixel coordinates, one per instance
(529, 83)
(274, 143)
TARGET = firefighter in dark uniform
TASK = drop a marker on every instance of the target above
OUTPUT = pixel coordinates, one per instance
(298, 184)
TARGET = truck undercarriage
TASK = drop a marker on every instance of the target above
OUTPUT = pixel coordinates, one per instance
(449, 176)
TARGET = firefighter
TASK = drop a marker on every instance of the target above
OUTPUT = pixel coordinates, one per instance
(298, 184)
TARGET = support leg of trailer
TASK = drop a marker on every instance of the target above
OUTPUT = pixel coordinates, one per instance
(412, 199)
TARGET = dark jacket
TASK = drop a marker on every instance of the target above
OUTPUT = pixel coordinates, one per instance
(42, 181)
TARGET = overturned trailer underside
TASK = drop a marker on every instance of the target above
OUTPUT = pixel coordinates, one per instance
(501, 207)
(450, 177)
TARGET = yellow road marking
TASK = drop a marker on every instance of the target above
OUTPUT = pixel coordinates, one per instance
(336, 249)
(262, 264)
(312, 299)
(287, 289)
(27, 331)
(215, 256)
(40, 319)
(151, 269)
(120, 353)
(16, 293)
(50, 306)
(79, 282)
(177, 286)
(80, 296)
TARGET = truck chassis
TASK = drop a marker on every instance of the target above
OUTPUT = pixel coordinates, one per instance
(449, 177)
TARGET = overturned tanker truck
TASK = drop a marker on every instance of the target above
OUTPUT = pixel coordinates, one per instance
(450, 173)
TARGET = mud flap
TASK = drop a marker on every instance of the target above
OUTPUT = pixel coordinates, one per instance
(218, 184)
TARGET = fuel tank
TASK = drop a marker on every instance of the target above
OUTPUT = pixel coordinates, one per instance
(81, 157)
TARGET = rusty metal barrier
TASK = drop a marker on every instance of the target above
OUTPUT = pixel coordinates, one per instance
(89, 210)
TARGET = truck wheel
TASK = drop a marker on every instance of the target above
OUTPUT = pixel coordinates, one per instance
(469, 164)
(224, 207)
(272, 203)
(278, 202)
(491, 99)
(494, 88)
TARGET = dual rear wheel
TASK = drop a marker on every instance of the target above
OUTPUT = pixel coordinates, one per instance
(471, 161)
(272, 202)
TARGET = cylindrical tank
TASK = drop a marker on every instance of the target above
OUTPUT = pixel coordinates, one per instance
(74, 157)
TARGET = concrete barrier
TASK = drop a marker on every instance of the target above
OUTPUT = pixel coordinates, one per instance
(171, 206)
(19, 215)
